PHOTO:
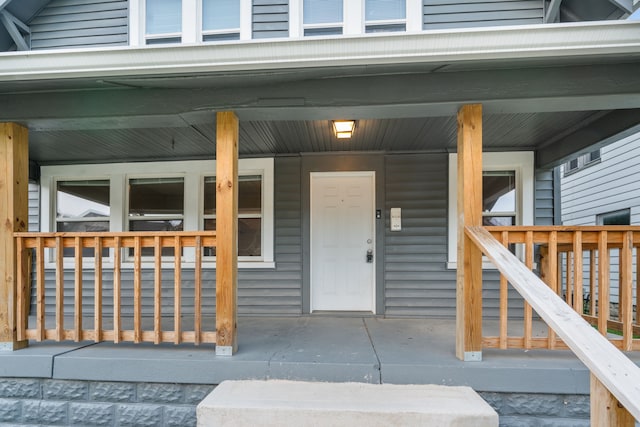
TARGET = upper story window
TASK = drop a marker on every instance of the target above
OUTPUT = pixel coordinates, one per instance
(353, 17)
(220, 20)
(385, 15)
(163, 21)
(322, 17)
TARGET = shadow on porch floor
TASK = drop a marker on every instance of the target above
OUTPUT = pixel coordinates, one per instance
(314, 348)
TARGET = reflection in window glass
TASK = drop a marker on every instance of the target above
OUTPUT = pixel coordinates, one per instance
(249, 214)
(163, 16)
(499, 198)
(82, 199)
(249, 236)
(383, 10)
(249, 195)
(499, 191)
(322, 17)
(621, 217)
(83, 206)
(322, 11)
(220, 15)
(156, 204)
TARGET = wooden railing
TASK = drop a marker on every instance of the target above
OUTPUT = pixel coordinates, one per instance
(139, 251)
(615, 379)
(575, 263)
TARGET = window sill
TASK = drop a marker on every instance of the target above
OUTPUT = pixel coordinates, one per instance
(129, 265)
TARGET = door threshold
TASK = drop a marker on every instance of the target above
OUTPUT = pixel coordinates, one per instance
(342, 313)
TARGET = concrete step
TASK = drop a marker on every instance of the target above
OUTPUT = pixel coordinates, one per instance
(293, 403)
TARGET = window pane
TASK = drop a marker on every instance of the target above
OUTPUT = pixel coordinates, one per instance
(385, 28)
(220, 14)
(322, 11)
(379, 10)
(156, 225)
(151, 197)
(83, 226)
(499, 220)
(622, 217)
(249, 236)
(249, 195)
(82, 199)
(163, 16)
(499, 191)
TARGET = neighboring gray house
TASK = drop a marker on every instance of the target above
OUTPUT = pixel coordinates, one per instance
(602, 187)
(120, 100)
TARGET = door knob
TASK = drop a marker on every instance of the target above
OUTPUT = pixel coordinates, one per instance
(370, 256)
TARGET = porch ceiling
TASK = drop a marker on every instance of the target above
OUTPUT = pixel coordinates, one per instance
(539, 91)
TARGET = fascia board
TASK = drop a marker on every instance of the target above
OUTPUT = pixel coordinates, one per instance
(548, 44)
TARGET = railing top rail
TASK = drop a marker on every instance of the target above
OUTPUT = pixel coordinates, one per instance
(617, 372)
(567, 228)
(208, 233)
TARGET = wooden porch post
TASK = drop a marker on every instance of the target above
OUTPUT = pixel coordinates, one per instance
(14, 212)
(227, 131)
(606, 411)
(469, 271)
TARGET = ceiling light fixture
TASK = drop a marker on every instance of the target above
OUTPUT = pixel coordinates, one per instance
(343, 128)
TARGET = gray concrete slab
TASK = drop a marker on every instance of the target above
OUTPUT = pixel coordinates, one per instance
(326, 349)
(35, 361)
(417, 351)
(312, 348)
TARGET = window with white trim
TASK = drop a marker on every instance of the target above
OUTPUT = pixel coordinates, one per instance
(163, 21)
(508, 194)
(249, 213)
(322, 17)
(385, 15)
(82, 205)
(220, 20)
(334, 17)
(136, 197)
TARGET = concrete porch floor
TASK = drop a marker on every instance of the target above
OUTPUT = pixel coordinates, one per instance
(312, 348)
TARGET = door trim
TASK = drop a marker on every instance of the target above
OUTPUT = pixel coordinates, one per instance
(369, 174)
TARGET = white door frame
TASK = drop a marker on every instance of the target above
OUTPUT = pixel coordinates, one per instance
(345, 174)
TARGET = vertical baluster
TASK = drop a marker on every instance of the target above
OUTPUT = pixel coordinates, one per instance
(77, 247)
(117, 289)
(626, 290)
(21, 287)
(592, 282)
(197, 326)
(528, 312)
(59, 289)
(504, 299)
(553, 279)
(578, 272)
(603, 282)
(137, 290)
(40, 297)
(568, 278)
(637, 286)
(157, 294)
(97, 314)
(177, 291)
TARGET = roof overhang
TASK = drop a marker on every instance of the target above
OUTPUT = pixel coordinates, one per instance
(559, 68)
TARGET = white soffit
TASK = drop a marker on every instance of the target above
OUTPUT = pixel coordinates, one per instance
(549, 44)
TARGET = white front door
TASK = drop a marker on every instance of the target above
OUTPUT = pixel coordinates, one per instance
(342, 232)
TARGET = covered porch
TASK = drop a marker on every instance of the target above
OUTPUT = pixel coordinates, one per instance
(447, 99)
